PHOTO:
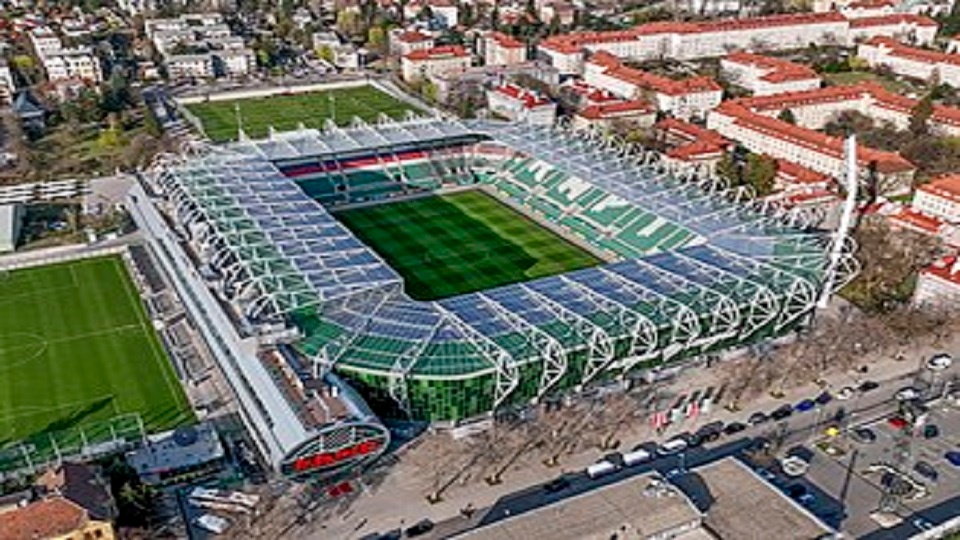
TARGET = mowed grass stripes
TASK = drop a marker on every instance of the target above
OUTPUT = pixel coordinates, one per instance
(454, 244)
(77, 348)
(286, 112)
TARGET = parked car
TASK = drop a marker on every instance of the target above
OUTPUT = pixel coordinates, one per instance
(953, 457)
(710, 432)
(601, 468)
(897, 422)
(863, 435)
(782, 412)
(757, 418)
(926, 470)
(867, 386)
(636, 457)
(845, 393)
(733, 428)
(907, 393)
(673, 446)
(931, 431)
(823, 398)
(419, 528)
(805, 405)
(939, 362)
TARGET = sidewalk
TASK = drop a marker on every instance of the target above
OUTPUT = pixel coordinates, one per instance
(400, 500)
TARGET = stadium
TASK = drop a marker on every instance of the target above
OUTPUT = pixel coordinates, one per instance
(449, 269)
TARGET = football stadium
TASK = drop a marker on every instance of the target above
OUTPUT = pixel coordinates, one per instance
(447, 269)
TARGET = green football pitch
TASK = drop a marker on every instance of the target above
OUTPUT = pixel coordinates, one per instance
(445, 245)
(287, 111)
(77, 350)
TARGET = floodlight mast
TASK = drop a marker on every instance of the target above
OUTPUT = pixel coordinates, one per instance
(846, 221)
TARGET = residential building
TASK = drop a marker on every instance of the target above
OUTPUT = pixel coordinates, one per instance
(7, 87)
(445, 12)
(343, 55)
(814, 108)
(923, 64)
(45, 41)
(53, 518)
(82, 485)
(79, 63)
(499, 49)
(940, 198)
(520, 104)
(906, 27)
(424, 64)
(561, 10)
(200, 45)
(806, 147)
(403, 42)
(953, 45)
(860, 9)
(689, 146)
(704, 39)
(687, 98)
(938, 285)
(137, 7)
(616, 113)
(766, 75)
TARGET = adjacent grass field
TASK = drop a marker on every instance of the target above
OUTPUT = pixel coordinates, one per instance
(453, 244)
(286, 112)
(77, 349)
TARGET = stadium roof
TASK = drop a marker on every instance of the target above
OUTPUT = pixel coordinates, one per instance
(738, 269)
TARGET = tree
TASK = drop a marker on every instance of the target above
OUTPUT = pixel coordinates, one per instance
(326, 53)
(760, 173)
(348, 22)
(920, 115)
(787, 116)
(429, 91)
(377, 38)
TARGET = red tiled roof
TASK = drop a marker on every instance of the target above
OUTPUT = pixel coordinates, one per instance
(794, 173)
(946, 187)
(529, 98)
(447, 51)
(413, 36)
(912, 219)
(42, 519)
(946, 269)
(697, 151)
(871, 4)
(615, 109)
(886, 162)
(810, 197)
(893, 19)
(575, 41)
(779, 70)
(613, 67)
(689, 131)
(503, 40)
(591, 94)
(912, 53)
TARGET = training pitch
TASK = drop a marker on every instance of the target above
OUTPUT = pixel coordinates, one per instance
(287, 111)
(445, 245)
(77, 349)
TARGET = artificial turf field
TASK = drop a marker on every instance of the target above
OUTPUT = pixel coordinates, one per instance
(445, 245)
(287, 111)
(77, 349)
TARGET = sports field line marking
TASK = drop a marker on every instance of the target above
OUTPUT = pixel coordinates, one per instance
(73, 337)
(159, 355)
(35, 410)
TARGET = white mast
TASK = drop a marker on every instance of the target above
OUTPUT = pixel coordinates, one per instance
(846, 221)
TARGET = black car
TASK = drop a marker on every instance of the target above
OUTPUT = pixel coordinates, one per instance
(823, 398)
(926, 470)
(782, 412)
(757, 418)
(867, 386)
(419, 528)
(931, 431)
(734, 427)
(863, 435)
(710, 432)
(556, 485)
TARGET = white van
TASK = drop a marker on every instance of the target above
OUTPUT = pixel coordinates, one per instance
(636, 457)
(673, 446)
(212, 523)
(601, 468)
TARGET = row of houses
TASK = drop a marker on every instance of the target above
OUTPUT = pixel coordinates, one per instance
(62, 64)
(923, 64)
(705, 39)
